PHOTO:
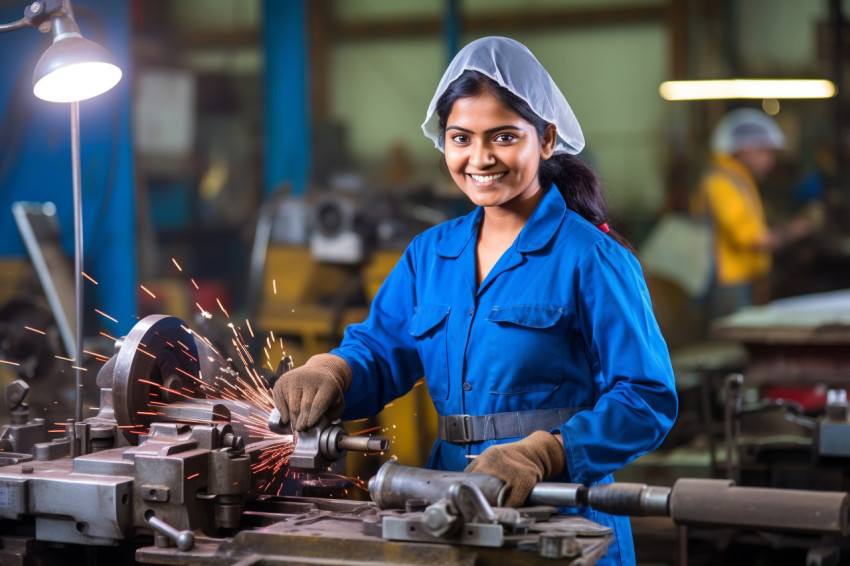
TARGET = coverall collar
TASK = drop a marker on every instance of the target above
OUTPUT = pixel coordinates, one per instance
(537, 232)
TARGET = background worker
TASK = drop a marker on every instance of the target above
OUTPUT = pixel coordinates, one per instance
(744, 145)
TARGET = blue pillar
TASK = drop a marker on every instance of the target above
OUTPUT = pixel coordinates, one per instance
(35, 159)
(451, 29)
(287, 109)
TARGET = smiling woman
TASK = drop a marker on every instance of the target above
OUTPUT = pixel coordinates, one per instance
(529, 317)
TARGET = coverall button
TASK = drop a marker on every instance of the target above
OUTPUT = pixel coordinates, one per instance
(467, 386)
(471, 312)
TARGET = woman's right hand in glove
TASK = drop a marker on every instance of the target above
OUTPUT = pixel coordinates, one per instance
(304, 394)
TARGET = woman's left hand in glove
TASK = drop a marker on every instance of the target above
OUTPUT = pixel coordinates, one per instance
(522, 464)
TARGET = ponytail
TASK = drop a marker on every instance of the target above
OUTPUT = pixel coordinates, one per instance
(582, 191)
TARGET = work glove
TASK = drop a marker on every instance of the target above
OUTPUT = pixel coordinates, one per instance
(304, 394)
(522, 464)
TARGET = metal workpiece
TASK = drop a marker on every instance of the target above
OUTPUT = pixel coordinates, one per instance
(275, 425)
(719, 503)
(320, 446)
(394, 484)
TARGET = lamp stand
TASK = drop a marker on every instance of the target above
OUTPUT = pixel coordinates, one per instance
(78, 258)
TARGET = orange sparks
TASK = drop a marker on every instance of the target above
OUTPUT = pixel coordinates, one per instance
(177, 264)
(95, 354)
(10, 363)
(221, 307)
(189, 375)
(164, 388)
(365, 430)
(101, 313)
(34, 330)
(248, 324)
(195, 284)
(193, 476)
(146, 413)
(113, 338)
(79, 368)
(274, 286)
(146, 353)
(146, 290)
(84, 274)
(63, 358)
(189, 355)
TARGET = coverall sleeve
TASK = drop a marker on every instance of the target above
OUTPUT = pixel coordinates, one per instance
(637, 403)
(380, 351)
(731, 215)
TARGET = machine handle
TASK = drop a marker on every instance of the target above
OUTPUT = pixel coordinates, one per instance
(184, 540)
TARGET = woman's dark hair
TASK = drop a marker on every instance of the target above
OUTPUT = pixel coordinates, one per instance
(576, 181)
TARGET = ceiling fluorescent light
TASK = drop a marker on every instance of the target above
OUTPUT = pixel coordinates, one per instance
(746, 88)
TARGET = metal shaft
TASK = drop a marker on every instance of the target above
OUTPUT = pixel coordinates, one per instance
(697, 502)
(368, 444)
(720, 503)
(78, 257)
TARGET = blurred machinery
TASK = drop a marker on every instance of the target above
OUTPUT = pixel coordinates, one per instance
(786, 416)
(770, 410)
(185, 464)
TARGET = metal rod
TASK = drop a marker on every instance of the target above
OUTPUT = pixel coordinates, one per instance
(78, 258)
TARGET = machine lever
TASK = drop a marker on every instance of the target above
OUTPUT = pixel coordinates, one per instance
(184, 540)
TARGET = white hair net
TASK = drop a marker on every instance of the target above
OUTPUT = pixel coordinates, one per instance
(746, 128)
(512, 66)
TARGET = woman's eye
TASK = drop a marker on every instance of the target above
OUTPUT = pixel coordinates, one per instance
(460, 138)
(505, 138)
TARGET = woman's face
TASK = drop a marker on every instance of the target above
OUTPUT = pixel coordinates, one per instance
(492, 153)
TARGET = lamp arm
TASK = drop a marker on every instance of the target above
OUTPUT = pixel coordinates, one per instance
(37, 15)
(22, 23)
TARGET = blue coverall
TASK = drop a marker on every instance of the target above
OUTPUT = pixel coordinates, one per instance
(563, 320)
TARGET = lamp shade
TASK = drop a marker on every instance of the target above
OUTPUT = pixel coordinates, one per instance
(74, 68)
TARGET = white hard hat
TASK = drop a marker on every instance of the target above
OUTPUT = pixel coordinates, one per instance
(746, 128)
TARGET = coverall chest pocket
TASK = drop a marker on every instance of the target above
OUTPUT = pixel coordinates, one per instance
(429, 328)
(527, 349)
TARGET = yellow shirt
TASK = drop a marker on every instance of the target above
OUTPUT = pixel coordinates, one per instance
(728, 193)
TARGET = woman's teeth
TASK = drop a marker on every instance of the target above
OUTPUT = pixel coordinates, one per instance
(487, 178)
